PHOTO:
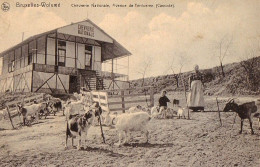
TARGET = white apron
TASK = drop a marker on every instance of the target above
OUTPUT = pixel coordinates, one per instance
(195, 97)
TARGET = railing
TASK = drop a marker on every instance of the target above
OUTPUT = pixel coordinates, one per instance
(11, 107)
(119, 99)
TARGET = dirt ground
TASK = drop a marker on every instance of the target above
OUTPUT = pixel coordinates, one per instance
(172, 142)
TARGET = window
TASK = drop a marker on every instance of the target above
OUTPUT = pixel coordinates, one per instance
(61, 53)
(61, 57)
(30, 58)
(11, 66)
(88, 57)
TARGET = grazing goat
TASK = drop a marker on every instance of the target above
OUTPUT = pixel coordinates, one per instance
(131, 122)
(170, 113)
(244, 111)
(56, 105)
(31, 111)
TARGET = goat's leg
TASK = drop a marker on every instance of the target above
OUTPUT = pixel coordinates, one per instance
(259, 123)
(85, 141)
(79, 142)
(242, 120)
(251, 122)
(125, 137)
(146, 132)
(24, 118)
(66, 141)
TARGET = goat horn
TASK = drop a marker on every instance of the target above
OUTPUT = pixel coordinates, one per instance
(231, 99)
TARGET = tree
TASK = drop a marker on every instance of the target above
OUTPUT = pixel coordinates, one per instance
(251, 66)
(223, 49)
(143, 69)
(176, 76)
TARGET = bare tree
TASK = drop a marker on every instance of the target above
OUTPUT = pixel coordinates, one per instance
(143, 70)
(176, 76)
(223, 47)
(251, 66)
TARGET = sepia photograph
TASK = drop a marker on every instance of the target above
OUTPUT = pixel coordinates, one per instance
(130, 83)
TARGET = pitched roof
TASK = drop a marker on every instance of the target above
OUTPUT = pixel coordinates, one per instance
(109, 50)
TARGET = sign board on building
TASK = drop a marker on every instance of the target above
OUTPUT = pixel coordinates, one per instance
(87, 30)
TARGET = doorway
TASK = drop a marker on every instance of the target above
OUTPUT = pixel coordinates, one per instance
(73, 84)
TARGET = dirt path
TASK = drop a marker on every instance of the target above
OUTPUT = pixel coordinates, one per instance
(173, 142)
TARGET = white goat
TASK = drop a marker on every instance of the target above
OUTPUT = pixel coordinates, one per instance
(181, 112)
(134, 109)
(155, 111)
(31, 111)
(170, 112)
(109, 118)
(131, 122)
(3, 114)
(73, 108)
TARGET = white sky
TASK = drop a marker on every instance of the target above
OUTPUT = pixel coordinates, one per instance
(189, 33)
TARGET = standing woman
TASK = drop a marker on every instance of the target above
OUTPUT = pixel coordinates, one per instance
(195, 98)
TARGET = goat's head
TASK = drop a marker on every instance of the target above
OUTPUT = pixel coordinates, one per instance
(139, 107)
(97, 109)
(230, 106)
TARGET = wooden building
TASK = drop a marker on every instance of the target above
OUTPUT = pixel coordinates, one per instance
(60, 61)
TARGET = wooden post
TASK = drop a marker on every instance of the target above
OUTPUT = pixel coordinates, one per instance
(7, 107)
(56, 49)
(151, 97)
(36, 50)
(219, 112)
(75, 52)
(123, 100)
(100, 123)
(46, 40)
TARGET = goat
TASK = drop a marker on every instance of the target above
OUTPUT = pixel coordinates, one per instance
(181, 112)
(3, 114)
(131, 122)
(170, 113)
(155, 111)
(244, 111)
(77, 124)
(137, 108)
(31, 111)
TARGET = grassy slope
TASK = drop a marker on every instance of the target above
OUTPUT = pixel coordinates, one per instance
(233, 83)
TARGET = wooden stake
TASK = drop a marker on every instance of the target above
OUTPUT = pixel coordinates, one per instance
(102, 134)
(7, 107)
(219, 112)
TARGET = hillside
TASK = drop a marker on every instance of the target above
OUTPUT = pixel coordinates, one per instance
(237, 80)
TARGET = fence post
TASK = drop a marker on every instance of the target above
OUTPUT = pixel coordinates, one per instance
(7, 108)
(151, 97)
(123, 100)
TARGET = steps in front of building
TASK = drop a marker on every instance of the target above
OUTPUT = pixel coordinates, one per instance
(93, 79)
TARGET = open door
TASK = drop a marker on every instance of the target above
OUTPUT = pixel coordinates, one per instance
(73, 84)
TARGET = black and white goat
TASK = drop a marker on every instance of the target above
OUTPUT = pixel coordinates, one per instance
(78, 124)
(244, 111)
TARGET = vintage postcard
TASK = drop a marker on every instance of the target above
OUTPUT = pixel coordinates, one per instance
(129, 83)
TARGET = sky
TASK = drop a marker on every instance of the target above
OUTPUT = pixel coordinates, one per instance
(163, 38)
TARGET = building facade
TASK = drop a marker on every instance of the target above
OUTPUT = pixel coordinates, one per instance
(60, 61)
